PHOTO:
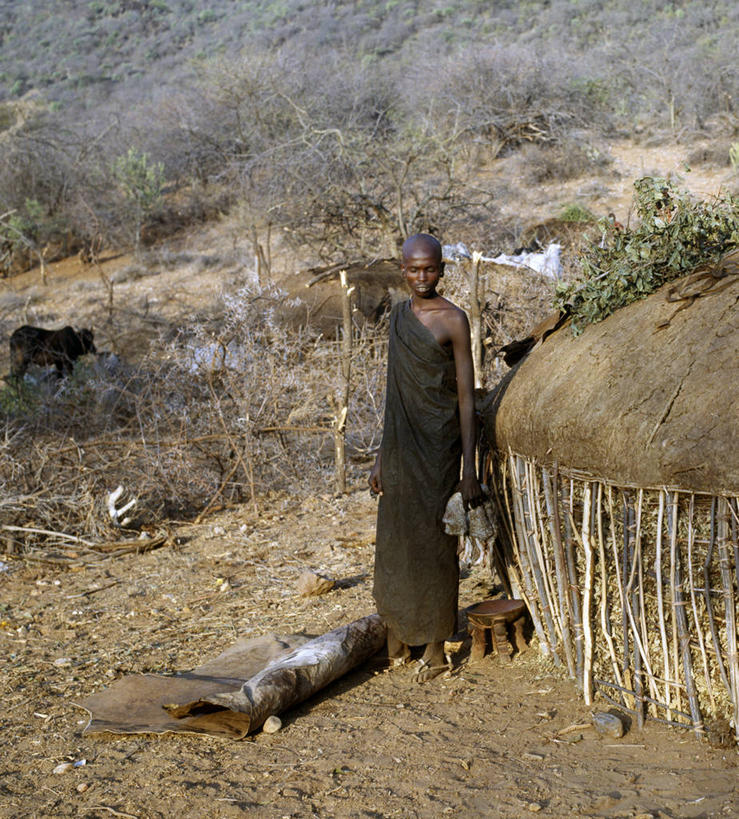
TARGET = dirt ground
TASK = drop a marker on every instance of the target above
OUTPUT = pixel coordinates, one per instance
(488, 740)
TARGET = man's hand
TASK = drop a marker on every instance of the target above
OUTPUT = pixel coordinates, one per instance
(375, 476)
(471, 491)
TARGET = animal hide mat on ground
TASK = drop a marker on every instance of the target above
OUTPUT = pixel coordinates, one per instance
(234, 693)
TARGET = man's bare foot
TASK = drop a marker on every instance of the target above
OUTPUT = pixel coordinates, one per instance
(432, 663)
(398, 652)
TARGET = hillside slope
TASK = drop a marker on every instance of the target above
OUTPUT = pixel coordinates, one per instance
(80, 50)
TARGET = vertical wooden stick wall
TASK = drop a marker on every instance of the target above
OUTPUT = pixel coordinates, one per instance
(636, 589)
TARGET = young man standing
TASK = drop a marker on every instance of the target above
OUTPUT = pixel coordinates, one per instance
(429, 426)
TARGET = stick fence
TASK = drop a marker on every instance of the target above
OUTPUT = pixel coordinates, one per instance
(633, 590)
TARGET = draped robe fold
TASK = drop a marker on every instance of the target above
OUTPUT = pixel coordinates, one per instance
(416, 575)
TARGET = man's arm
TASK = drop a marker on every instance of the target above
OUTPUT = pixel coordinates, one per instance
(459, 332)
(375, 475)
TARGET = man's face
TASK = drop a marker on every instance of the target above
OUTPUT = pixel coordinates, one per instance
(422, 270)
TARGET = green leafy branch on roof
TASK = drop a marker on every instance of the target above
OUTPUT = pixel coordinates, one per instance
(673, 235)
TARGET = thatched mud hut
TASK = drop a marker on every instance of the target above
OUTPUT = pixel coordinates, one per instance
(614, 455)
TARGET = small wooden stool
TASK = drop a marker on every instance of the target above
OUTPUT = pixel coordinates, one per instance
(495, 616)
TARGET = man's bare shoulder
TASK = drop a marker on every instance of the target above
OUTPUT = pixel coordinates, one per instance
(451, 313)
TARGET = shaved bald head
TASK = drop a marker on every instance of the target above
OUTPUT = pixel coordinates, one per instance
(424, 243)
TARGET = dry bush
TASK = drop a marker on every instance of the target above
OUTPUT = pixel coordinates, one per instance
(218, 415)
(349, 143)
(221, 412)
(568, 159)
(716, 153)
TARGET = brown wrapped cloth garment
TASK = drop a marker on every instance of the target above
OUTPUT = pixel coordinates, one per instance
(416, 568)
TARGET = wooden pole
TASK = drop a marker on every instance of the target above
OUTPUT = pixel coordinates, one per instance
(620, 582)
(707, 597)
(521, 543)
(573, 581)
(587, 680)
(539, 551)
(641, 606)
(341, 399)
(510, 543)
(560, 571)
(684, 637)
(631, 558)
(732, 659)
(672, 513)
(660, 604)
(530, 533)
(605, 620)
(694, 603)
(475, 317)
